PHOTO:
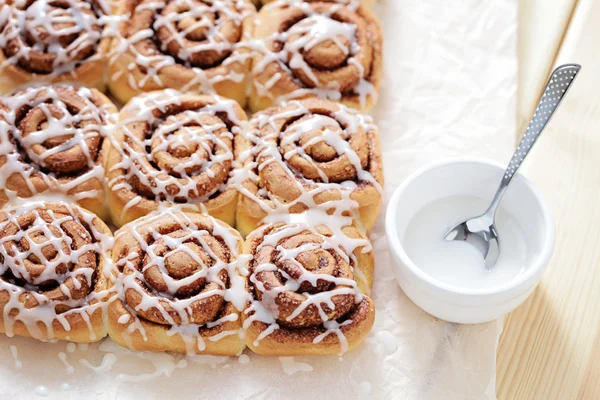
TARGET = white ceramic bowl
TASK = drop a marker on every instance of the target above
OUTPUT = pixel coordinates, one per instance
(478, 178)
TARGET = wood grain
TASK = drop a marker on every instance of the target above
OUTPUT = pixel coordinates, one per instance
(550, 348)
(542, 26)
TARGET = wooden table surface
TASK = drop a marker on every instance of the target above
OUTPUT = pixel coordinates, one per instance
(550, 347)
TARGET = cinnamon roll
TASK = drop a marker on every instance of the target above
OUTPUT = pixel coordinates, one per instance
(188, 45)
(53, 41)
(305, 295)
(53, 139)
(52, 285)
(173, 148)
(325, 48)
(258, 2)
(178, 285)
(310, 154)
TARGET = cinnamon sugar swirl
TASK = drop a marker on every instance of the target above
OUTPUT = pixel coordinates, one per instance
(53, 41)
(173, 148)
(188, 45)
(178, 286)
(52, 282)
(311, 154)
(308, 287)
(325, 48)
(53, 139)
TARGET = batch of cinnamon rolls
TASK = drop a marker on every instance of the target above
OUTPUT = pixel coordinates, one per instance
(224, 204)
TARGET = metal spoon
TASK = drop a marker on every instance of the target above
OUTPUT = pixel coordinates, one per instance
(481, 231)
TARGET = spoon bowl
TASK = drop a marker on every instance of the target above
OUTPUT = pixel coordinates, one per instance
(482, 234)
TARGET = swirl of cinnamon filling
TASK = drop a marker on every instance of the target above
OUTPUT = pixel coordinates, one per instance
(56, 40)
(177, 271)
(182, 44)
(286, 276)
(51, 262)
(176, 266)
(305, 291)
(326, 48)
(176, 148)
(308, 153)
(53, 138)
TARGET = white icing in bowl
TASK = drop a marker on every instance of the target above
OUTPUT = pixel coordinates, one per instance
(468, 295)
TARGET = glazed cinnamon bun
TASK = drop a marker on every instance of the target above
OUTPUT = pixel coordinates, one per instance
(325, 48)
(312, 154)
(53, 41)
(173, 148)
(52, 283)
(308, 288)
(178, 285)
(188, 45)
(54, 139)
(258, 2)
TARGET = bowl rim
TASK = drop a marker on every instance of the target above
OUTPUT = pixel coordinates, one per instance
(533, 273)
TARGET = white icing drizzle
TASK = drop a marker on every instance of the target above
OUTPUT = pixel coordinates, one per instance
(190, 150)
(212, 249)
(334, 134)
(192, 130)
(334, 131)
(51, 141)
(291, 49)
(50, 38)
(205, 37)
(50, 254)
(294, 278)
(234, 291)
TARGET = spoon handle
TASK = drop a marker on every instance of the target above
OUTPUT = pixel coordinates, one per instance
(559, 83)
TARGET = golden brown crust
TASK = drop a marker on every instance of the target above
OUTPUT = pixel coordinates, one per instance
(40, 165)
(87, 66)
(302, 342)
(285, 321)
(157, 338)
(203, 71)
(150, 327)
(326, 68)
(289, 177)
(79, 317)
(365, 2)
(128, 165)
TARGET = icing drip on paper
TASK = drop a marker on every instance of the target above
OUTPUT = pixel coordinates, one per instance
(42, 391)
(15, 354)
(291, 366)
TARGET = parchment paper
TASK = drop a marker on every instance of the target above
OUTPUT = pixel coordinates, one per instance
(449, 89)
